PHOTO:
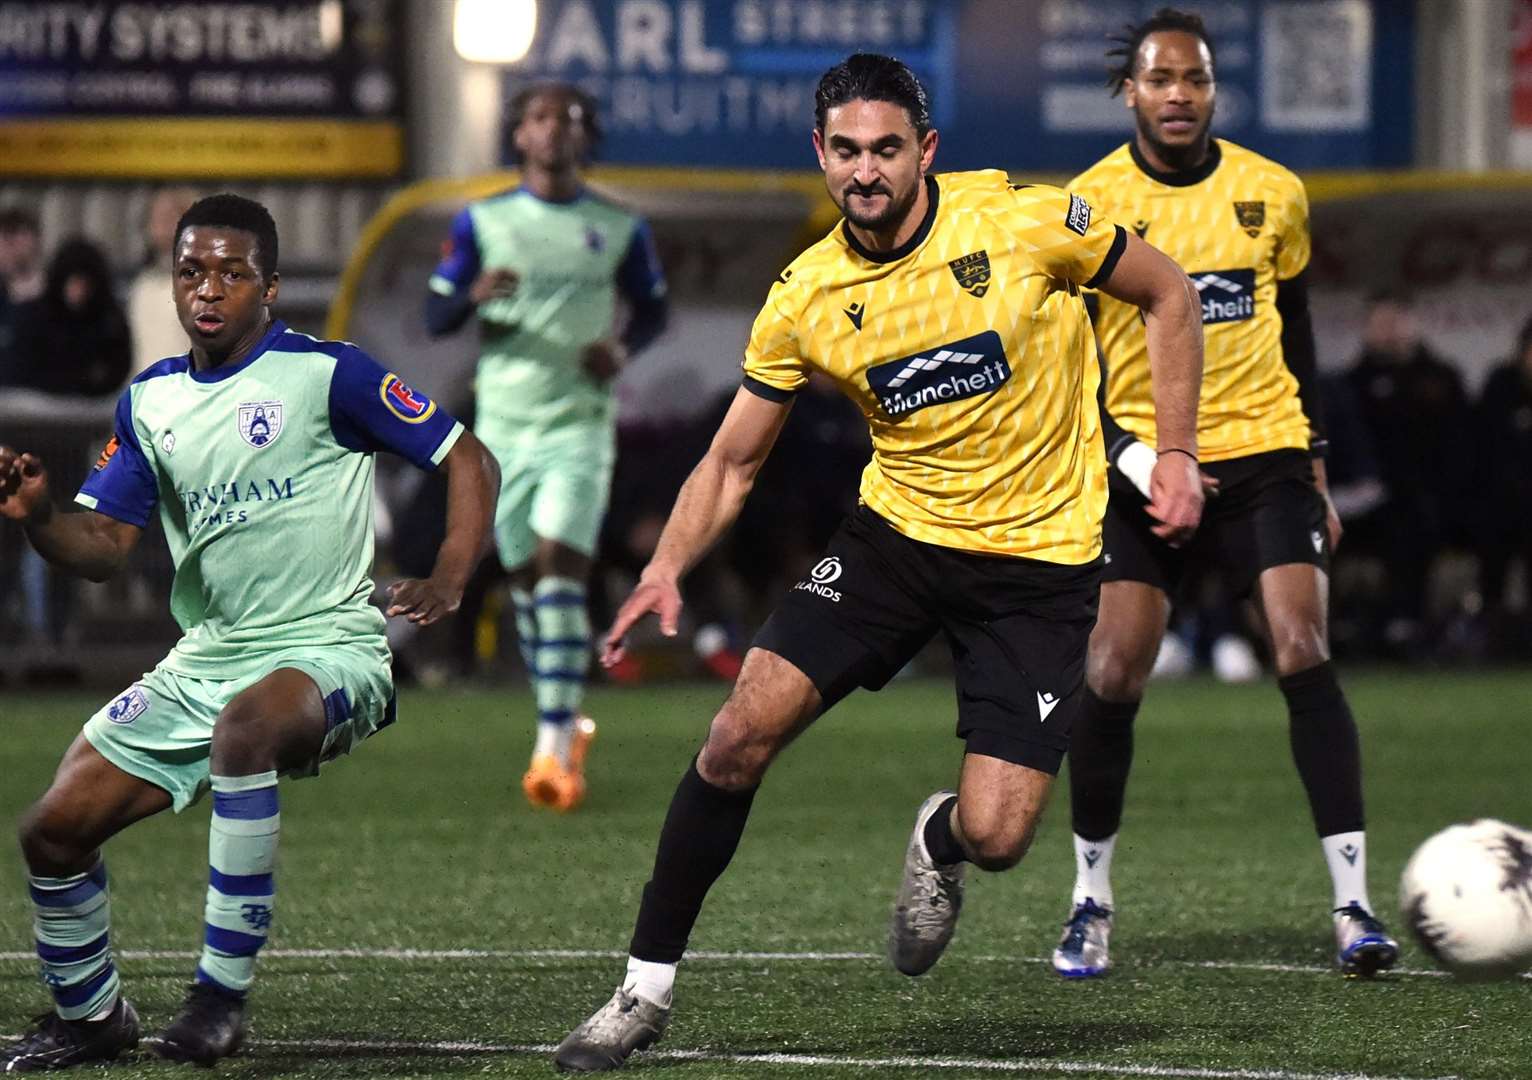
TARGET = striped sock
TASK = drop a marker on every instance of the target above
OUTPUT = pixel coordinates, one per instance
(74, 943)
(563, 654)
(526, 631)
(242, 853)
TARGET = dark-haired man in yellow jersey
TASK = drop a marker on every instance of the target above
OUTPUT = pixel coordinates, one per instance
(949, 309)
(1238, 224)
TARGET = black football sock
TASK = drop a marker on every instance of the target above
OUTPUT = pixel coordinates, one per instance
(941, 842)
(1325, 748)
(1100, 757)
(701, 831)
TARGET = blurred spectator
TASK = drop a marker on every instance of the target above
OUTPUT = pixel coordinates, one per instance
(74, 340)
(1415, 410)
(1357, 612)
(157, 333)
(1503, 422)
(21, 280)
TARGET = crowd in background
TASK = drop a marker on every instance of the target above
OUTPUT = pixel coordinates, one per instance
(1433, 484)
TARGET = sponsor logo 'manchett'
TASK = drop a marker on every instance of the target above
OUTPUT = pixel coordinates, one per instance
(951, 372)
(1227, 295)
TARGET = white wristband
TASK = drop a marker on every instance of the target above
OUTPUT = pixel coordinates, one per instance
(1136, 462)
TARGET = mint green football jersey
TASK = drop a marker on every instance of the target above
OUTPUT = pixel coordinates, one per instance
(262, 474)
(573, 259)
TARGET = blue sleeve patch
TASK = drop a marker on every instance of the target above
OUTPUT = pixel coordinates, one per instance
(460, 254)
(122, 484)
(373, 409)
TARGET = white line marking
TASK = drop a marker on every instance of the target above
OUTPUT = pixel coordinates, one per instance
(1000, 1065)
(708, 955)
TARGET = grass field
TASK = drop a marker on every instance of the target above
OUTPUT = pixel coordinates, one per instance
(430, 924)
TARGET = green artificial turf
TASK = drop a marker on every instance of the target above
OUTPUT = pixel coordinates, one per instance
(421, 844)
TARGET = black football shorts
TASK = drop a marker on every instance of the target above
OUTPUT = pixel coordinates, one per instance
(1267, 513)
(1017, 628)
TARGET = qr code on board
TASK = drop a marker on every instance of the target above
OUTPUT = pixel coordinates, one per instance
(1316, 66)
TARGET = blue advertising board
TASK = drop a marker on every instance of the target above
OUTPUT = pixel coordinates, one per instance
(1014, 83)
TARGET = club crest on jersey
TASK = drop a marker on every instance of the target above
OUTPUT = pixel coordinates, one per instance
(973, 367)
(408, 405)
(260, 422)
(1251, 215)
(972, 272)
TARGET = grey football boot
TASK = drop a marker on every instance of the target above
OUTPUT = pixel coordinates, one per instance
(624, 1024)
(929, 900)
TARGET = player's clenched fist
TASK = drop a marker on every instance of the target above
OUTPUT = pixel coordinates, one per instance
(23, 484)
(1175, 496)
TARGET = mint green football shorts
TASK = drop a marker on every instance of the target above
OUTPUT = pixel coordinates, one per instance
(160, 729)
(553, 486)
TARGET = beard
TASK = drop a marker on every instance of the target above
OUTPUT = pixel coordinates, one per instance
(889, 216)
(1178, 156)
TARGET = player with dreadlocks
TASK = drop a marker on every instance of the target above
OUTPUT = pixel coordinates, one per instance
(1239, 225)
(544, 266)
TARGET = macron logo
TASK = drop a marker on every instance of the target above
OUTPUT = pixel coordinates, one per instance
(1046, 703)
(972, 367)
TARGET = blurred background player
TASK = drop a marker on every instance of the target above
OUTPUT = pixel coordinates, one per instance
(267, 439)
(1238, 224)
(543, 266)
(980, 513)
(151, 306)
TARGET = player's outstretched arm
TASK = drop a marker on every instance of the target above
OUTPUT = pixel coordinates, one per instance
(89, 545)
(1150, 279)
(473, 485)
(709, 502)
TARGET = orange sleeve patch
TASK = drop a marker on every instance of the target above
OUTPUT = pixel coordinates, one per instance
(107, 453)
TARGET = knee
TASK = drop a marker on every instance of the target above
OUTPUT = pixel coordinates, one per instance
(1115, 671)
(48, 844)
(994, 845)
(242, 742)
(735, 756)
(1299, 645)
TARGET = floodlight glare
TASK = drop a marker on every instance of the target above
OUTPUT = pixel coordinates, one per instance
(494, 31)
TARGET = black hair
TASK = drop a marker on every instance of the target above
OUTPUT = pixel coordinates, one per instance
(78, 257)
(228, 211)
(15, 219)
(873, 77)
(522, 100)
(1122, 61)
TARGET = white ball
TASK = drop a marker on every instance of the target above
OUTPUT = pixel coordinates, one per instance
(1467, 896)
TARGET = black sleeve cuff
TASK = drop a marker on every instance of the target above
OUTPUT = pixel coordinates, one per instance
(1104, 271)
(767, 391)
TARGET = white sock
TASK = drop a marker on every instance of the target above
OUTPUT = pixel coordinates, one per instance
(1093, 870)
(650, 981)
(553, 739)
(1346, 854)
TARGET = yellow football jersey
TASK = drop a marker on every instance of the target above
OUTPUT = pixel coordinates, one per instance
(1237, 226)
(969, 352)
